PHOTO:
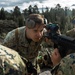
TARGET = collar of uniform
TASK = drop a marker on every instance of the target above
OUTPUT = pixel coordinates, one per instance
(31, 44)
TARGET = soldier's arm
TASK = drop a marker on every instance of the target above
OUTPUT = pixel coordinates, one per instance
(10, 69)
(11, 62)
(9, 40)
(44, 57)
(70, 33)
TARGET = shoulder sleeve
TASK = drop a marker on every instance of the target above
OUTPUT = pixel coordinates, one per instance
(9, 40)
(11, 62)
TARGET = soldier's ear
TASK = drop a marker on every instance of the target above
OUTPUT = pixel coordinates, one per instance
(30, 23)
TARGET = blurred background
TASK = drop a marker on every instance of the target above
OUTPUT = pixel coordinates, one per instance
(14, 13)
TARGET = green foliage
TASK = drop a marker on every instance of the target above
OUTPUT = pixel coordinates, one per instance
(16, 11)
(2, 14)
(20, 21)
(62, 16)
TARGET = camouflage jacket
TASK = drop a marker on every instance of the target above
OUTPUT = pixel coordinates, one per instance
(66, 66)
(10, 62)
(26, 50)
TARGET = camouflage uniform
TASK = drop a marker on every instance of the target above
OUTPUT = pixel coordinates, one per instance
(66, 66)
(26, 50)
(71, 33)
(10, 62)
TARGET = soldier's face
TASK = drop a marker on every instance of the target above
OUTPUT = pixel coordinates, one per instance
(55, 57)
(36, 33)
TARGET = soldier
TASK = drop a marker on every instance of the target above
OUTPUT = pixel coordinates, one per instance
(71, 33)
(27, 40)
(62, 66)
(67, 65)
(11, 62)
(63, 61)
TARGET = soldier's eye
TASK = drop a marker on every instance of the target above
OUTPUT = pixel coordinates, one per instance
(41, 30)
